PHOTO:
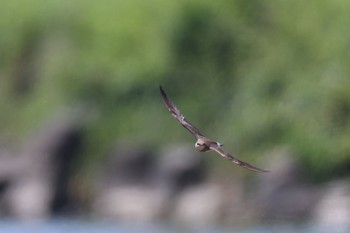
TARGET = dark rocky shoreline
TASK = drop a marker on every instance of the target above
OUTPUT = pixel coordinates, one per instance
(138, 184)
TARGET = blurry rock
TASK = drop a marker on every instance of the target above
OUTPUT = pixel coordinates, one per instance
(136, 187)
(126, 186)
(30, 197)
(9, 167)
(129, 163)
(39, 185)
(180, 166)
(10, 164)
(129, 203)
(283, 193)
(333, 210)
(200, 205)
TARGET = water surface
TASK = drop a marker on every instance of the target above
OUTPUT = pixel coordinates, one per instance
(84, 226)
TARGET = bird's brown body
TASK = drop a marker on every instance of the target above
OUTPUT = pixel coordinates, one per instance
(203, 144)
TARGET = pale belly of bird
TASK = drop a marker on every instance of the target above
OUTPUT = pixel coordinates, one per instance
(203, 144)
(201, 147)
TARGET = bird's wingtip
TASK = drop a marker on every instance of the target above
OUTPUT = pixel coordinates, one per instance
(262, 170)
(162, 92)
(161, 88)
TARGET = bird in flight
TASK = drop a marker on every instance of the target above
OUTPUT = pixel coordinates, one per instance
(203, 144)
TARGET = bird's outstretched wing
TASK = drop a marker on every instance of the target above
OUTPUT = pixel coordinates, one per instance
(178, 115)
(226, 155)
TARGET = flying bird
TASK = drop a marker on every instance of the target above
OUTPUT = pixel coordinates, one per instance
(203, 144)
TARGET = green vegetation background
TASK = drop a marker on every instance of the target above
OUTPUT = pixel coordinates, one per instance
(254, 75)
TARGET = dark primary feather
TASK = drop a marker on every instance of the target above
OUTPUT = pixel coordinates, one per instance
(178, 115)
(234, 160)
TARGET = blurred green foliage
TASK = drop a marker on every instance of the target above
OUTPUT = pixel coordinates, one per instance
(252, 74)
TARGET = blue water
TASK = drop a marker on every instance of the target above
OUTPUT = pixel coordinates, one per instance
(82, 226)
